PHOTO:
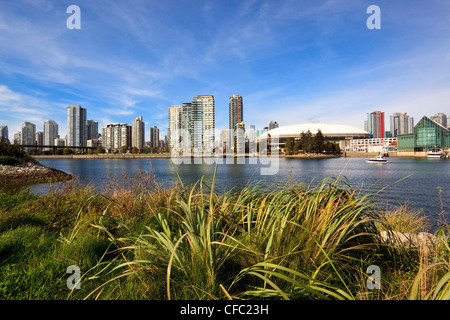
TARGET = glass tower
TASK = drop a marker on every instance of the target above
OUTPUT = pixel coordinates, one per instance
(236, 111)
(50, 132)
(375, 124)
(138, 133)
(154, 137)
(76, 126)
(203, 115)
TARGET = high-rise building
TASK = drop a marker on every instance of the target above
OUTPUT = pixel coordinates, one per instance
(395, 124)
(186, 122)
(50, 132)
(375, 124)
(28, 135)
(17, 137)
(203, 115)
(226, 139)
(129, 136)
(76, 126)
(39, 138)
(405, 124)
(410, 129)
(91, 129)
(154, 137)
(181, 125)
(115, 136)
(440, 118)
(138, 133)
(236, 111)
(401, 123)
(239, 138)
(273, 125)
(174, 125)
(4, 133)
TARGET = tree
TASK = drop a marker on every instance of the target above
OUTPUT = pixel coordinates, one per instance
(318, 142)
(100, 149)
(295, 147)
(306, 141)
(8, 149)
(336, 148)
(288, 146)
(124, 149)
(68, 151)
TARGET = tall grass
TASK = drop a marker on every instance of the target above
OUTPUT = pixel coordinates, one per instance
(137, 240)
(293, 242)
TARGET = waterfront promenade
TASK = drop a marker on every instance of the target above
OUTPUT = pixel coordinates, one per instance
(169, 155)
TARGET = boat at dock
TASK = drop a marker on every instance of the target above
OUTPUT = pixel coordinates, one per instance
(435, 153)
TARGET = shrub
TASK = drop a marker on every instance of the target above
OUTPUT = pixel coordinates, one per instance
(12, 150)
(8, 160)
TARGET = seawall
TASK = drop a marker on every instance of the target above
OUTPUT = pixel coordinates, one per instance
(101, 156)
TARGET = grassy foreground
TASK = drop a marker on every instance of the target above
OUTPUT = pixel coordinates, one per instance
(136, 240)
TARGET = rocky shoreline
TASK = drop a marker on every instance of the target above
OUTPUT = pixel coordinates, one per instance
(312, 156)
(30, 173)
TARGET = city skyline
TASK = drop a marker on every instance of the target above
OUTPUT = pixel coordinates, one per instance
(376, 125)
(293, 62)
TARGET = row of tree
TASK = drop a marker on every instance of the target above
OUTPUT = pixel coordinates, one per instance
(311, 143)
(99, 150)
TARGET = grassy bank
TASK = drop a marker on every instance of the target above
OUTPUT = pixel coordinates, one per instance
(136, 240)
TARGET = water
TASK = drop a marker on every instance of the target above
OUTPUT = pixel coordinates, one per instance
(422, 183)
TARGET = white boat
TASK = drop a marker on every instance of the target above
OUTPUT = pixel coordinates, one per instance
(435, 153)
(377, 159)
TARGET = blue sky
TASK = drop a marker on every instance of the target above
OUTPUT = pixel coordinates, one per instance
(293, 61)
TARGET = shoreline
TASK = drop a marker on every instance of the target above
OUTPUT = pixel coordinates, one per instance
(30, 173)
(416, 155)
(101, 156)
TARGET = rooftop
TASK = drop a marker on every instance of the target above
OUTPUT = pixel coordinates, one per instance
(327, 129)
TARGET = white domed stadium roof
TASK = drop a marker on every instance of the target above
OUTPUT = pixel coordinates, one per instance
(330, 130)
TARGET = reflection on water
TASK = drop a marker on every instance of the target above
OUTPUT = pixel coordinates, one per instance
(402, 180)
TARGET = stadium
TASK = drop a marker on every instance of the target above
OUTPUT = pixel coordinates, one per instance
(339, 133)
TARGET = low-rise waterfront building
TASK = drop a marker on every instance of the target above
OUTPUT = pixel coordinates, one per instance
(372, 145)
(94, 143)
(59, 142)
(427, 135)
